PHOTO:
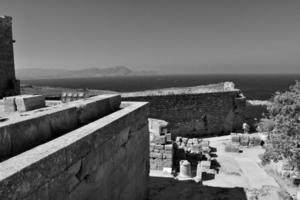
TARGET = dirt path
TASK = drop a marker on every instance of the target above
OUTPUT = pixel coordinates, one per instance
(255, 174)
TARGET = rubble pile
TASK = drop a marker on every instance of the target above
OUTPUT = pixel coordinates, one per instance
(199, 156)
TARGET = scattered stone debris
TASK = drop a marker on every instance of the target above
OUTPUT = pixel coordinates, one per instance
(198, 154)
(22, 103)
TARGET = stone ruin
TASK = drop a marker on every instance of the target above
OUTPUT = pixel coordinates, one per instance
(84, 148)
(161, 146)
(76, 150)
(194, 153)
(9, 85)
(189, 158)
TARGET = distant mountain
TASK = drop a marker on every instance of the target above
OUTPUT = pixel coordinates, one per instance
(36, 73)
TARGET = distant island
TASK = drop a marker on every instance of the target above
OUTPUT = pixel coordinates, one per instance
(38, 73)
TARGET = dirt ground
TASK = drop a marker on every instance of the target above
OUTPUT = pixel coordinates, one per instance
(240, 177)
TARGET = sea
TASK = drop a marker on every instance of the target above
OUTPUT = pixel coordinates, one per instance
(254, 87)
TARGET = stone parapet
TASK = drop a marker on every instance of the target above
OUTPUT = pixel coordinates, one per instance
(107, 159)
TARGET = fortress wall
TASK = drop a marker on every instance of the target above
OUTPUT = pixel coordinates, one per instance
(29, 129)
(8, 83)
(197, 115)
(107, 159)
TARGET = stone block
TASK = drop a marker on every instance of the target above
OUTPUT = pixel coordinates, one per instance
(29, 102)
(156, 126)
(9, 104)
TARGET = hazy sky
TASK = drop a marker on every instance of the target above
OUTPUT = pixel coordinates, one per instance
(187, 36)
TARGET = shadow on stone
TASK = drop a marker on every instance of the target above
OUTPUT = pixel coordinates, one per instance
(161, 188)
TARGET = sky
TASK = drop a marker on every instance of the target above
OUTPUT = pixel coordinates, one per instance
(171, 36)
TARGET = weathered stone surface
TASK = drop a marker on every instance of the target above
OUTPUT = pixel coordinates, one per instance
(73, 167)
(5, 144)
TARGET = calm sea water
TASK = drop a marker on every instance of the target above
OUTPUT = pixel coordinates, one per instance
(260, 87)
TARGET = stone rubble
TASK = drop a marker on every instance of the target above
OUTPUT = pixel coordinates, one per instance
(161, 146)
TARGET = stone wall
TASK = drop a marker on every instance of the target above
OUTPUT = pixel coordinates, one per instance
(107, 159)
(8, 83)
(202, 114)
(22, 131)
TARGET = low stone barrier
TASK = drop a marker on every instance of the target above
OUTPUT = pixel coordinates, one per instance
(22, 103)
